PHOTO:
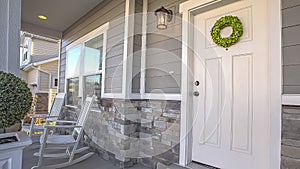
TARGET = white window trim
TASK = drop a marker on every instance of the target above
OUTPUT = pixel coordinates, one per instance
(53, 82)
(291, 99)
(81, 41)
(29, 49)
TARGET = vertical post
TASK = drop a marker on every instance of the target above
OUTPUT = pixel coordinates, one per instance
(128, 48)
(10, 19)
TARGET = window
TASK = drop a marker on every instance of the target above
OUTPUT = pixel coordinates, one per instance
(25, 50)
(93, 55)
(84, 67)
(54, 82)
(72, 90)
(92, 85)
(25, 55)
(73, 64)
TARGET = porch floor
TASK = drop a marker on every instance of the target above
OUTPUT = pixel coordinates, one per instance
(94, 162)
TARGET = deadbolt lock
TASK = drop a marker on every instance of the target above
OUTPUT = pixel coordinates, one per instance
(196, 93)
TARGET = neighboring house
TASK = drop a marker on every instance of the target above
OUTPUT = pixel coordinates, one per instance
(39, 64)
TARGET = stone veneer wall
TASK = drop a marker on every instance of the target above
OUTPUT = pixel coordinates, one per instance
(127, 130)
(290, 148)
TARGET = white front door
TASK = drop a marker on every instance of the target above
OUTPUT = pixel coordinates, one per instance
(231, 125)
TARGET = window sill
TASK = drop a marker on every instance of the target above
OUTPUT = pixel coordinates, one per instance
(97, 111)
(291, 99)
(150, 96)
(70, 106)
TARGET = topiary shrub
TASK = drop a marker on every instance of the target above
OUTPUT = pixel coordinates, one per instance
(15, 100)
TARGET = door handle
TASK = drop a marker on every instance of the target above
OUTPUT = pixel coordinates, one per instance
(196, 93)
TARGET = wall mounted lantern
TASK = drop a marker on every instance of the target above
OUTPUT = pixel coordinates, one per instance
(163, 17)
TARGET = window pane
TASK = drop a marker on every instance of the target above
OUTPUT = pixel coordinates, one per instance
(93, 54)
(92, 85)
(72, 91)
(73, 61)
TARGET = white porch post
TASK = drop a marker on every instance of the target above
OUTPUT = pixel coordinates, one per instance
(10, 19)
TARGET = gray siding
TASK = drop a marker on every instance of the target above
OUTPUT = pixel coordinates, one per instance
(163, 58)
(32, 76)
(42, 48)
(291, 46)
(44, 82)
(136, 61)
(290, 147)
(107, 11)
(10, 25)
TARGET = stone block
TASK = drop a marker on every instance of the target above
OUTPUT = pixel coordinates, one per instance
(146, 123)
(161, 146)
(173, 105)
(128, 129)
(173, 126)
(289, 163)
(291, 110)
(170, 138)
(290, 151)
(146, 143)
(156, 137)
(146, 110)
(166, 142)
(160, 124)
(145, 135)
(122, 136)
(111, 131)
(171, 115)
(291, 129)
(130, 153)
(155, 104)
(168, 131)
(162, 119)
(157, 113)
(149, 116)
(94, 139)
(121, 157)
(289, 142)
(176, 133)
(134, 117)
(124, 146)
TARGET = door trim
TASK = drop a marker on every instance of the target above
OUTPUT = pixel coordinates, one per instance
(191, 8)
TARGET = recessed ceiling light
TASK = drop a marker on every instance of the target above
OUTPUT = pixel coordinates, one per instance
(43, 17)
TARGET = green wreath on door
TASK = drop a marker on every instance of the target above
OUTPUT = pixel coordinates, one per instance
(227, 21)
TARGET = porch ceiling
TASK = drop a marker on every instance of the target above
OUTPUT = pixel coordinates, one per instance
(61, 14)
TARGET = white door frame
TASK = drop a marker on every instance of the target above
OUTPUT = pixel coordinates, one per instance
(188, 9)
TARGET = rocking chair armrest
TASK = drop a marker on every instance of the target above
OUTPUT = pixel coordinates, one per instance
(39, 116)
(62, 121)
(61, 126)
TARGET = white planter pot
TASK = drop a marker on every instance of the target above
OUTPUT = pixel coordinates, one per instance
(11, 153)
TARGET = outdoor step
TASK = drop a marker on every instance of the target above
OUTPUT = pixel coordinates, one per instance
(173, 166)
(176, 166)
(199, 166)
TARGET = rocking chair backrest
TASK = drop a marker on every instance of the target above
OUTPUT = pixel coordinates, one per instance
(57, 104)
(83, 114)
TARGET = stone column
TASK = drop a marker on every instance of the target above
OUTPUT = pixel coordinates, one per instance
(10, 26)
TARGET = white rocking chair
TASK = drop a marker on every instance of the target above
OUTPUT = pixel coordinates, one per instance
(53, 115)
(69, 143)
